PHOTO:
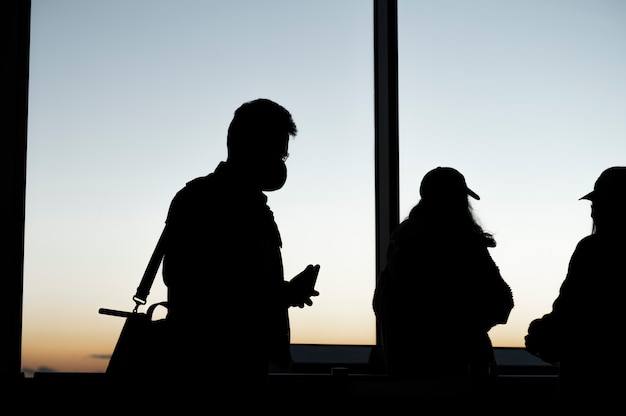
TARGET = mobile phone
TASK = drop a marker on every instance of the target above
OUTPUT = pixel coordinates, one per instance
(316, 271)
(308, 277)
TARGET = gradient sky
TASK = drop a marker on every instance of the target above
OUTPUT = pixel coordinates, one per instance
(130, 99)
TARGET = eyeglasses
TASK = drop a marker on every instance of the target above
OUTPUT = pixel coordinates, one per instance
(285, 157)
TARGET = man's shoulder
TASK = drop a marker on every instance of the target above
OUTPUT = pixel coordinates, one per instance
(192, 194)
(199, 184)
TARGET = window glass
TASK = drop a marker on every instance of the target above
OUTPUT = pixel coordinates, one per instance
(129, 100)
(526, 99)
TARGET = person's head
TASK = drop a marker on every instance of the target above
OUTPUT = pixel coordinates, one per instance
(446, 186)
(444, 193)
(258, 141)
(608, 200)
(444, 202)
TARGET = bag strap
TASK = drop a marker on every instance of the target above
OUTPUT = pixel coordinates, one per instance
(148, 276)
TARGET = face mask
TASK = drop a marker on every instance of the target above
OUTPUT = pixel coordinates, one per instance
(273, 176)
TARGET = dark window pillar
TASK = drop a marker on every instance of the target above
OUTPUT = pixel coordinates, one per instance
(16, 35)
(386, 124)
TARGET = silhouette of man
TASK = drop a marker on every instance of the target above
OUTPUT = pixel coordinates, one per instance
(228, 300)
(440, 291)
(583, 331)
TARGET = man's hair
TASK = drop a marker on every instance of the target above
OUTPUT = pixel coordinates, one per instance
(254, 123)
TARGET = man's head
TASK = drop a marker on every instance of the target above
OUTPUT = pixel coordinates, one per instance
(258, 141)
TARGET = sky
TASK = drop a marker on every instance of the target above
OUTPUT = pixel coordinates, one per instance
(130, 99)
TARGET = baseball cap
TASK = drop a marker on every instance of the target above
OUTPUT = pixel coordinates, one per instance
(611, 184)
(443, 181)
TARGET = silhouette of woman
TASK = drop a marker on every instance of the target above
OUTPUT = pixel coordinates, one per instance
(440, 292)
(582, 333)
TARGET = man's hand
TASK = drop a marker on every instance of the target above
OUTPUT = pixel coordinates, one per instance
(302, 287)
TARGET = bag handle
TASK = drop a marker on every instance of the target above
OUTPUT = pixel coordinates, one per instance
(152, 307)
(143, 290)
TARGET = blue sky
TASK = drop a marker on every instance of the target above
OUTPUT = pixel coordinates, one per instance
(131, 99)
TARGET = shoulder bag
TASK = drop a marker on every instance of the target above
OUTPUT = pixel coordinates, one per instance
(143, 346)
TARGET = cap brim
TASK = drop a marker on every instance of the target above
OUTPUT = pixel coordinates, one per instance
(473, 194)
(588, 197)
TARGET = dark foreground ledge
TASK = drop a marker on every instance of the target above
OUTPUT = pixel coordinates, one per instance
(77, 393)
(325, 378)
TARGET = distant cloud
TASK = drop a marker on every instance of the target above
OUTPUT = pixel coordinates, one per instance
(100, 356)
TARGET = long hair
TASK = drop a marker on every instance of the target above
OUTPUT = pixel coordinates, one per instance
(609, 216)
(450, 214)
